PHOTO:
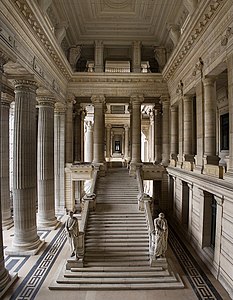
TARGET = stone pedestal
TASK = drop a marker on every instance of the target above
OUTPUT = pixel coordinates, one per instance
(45, 165)
(59, 157)
(25, 240)
(7, 220)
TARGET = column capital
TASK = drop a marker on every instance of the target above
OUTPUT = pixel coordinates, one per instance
(187, 98)
(209, 81)
(25, 85)
(70, 99)
(126, 126)
(46, 101)
(60, 108)
(95, 99)
(174, 108)
(108, 126)
(136, 99)
(6, 99)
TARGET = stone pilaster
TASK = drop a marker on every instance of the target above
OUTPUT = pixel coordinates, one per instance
(88, 153)
(165, 135)
(25, 240)
(4, 275)
(99, 125)
(174, 135)
(45, 163)
(69, 129)
(7, 220)
(136, 102)
(59, 157)
(210, 156)
(136, 61)
(83, 115)
(126, 142)
(99, 56)
(108, 141)
(158, 136)
(229, 174)
(187, 106)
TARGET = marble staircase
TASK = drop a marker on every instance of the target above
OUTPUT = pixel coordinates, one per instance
(117, 243)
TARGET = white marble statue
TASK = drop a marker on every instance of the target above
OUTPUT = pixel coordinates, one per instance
(72, 229)
(161, 234)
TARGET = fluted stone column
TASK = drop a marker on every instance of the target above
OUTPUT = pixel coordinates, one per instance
(152, 136)
(99, 56)
(165, 130)
(174, 133)
(7, 220)
(83, 115)
(77, 132)
(210, 122)
(230, 99)
(108, 141)
(69, 129)
(187, 105)
(130, 131)
(99, 125)
(180, 133)
(136, 102)
(59, 157)
(45, 164)
(136, 61)
(4, 275)
(25, 240)
(126, 142)
(158, 136)
(89, 142)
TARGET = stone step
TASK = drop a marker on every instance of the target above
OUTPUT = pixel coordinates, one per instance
(100, 252)
(116, 227)
(118, 269)
(106, 241)
(116, 221)
(116, 249)
(123, 264)
(111, 259)
(114, 244)
(110, 236)
(128, 280)
(132, 274)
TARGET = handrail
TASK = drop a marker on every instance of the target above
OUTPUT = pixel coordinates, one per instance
(144, 204)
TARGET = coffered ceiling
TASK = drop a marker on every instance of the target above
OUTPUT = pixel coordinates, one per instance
(116, 22)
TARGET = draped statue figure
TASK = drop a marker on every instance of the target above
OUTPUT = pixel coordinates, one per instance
(161, 235)
(72, 230)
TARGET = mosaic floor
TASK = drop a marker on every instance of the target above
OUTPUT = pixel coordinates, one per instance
(36, 272)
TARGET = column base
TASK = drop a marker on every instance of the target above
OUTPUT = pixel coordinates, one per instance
(211, 160)
(48, 225)
(159, 262)
(173, 163)
(7, 224)
(30, 249)
(74, 263)
(13, 278)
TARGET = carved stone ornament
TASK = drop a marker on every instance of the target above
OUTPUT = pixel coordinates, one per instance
(225, 37)
(198, 66)
(179, 89)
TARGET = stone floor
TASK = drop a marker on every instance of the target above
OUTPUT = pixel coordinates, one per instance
(37, 272)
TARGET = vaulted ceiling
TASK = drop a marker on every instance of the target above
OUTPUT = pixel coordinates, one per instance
(116, 22)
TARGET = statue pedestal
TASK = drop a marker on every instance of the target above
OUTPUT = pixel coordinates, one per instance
(73, 262)
(159, 262)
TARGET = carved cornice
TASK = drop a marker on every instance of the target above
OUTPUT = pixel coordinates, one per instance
(29, 15)
(192, 37)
